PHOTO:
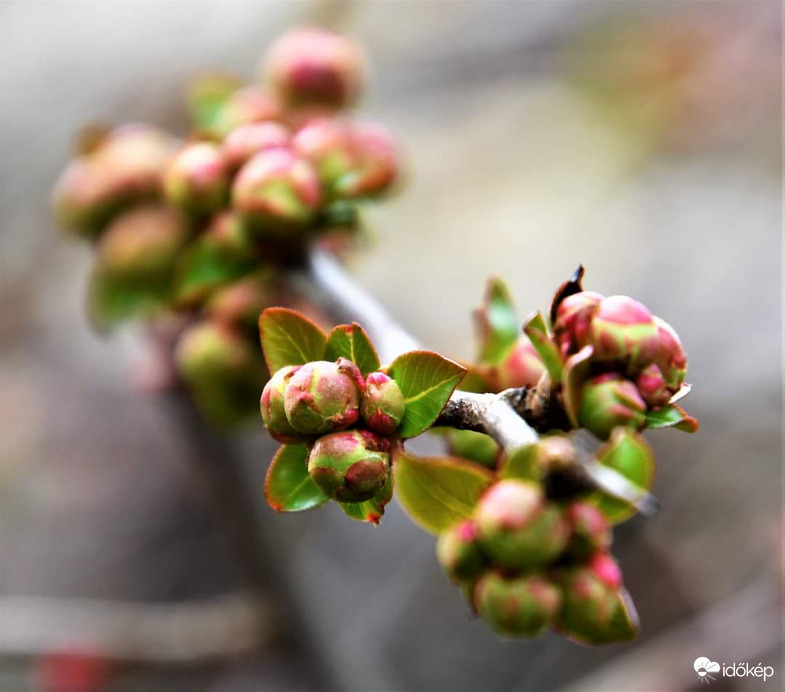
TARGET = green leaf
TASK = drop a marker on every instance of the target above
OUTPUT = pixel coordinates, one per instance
(521, 464)
(351, 341)
(497, 323)
(629, 454)
(576, 372)
(202, 269)
(110, 302)
(536, 329)
(427, 380)
(370, 511)
(207, 95)
(474, 446)
(288, 486)
(671, 417)
(289, 338)
(437, 492)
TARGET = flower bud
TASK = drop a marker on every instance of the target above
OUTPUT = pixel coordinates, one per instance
(228, 233)
(241, 302)
(142, 244)
(246, 105)
(322, 397)
(197, 179)
(311, 65)
(573, 319)
(272, 405)
(124, 167)
(652, 386)
(623, 331)
(589, 531)
(608, 401)
(475, 446)
(382, 404)
(277, 189)
(376, 167)
(517, 607)
(459, 553)
(595, 610)
(248, 140)
(328, 145)
(350, 466)
(671, 357)
(521, 367)
(518, 528)
(206, 349)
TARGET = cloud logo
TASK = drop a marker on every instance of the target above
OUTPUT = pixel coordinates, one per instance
(703, 666)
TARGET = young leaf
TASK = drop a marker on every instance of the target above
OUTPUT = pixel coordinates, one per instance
(289, 338)
(427, 380)
(352, 342)
(671, 417)
(437, 492)
(536, 329)
(570, 287)
(204, 268)
(521, 464)
(288, 486)
(575, 374)
(372, 510)
(629, 454)
(496, 323)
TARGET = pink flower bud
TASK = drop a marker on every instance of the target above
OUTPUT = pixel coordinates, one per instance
(519, 606)
(652, 386)
(197, 179)
(272, 406)
(623, 331)
(311, 65)
(589, 530)
(350, 466)
(248, 140)
(244, 106)
(521, 367)
(459, 553)
(382, 405)
(377, 162)
(277, 189)
(327, 144)
(608, 401)
(518, 527)
(573, 319)
(240, 303)
(323, 397)
(671, 357)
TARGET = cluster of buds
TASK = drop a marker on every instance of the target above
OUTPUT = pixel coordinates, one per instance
(197, 229)
(635, 361)
(348, 422)
(527, 562)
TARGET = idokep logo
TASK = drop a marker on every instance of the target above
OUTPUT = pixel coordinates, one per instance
(704, 667)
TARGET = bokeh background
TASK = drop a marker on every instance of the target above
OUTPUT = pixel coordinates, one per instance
(641, 139)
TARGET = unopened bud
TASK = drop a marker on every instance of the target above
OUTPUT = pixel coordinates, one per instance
(197, 179)
(652, 386)
(623, 331)
(589, 530)
(350, 466)
(246, 105)
(272, 406)
(327, 144)
(609, 401)
(671, 357)
(521, 367)
(377, 162)
(241, 302)
(382, 405)
(248, 140)
(573, 319)
(459, 553)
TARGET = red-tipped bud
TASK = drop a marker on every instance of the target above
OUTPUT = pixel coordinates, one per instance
(241, 302)
(124, 167)
(228, 233)
(377, 163)
(322, 397)
(517, 607)
(518, 528)
(382, 405)
(573, 319)
(197, 179)
(589, 530)
(521, 367)
(272, 406)
(652, 386)
(246, 105)
(623, 331)
(142, 244)
(459, 552)
(327, 144)
(671, 357)
(310, 65)
(350, 466)
(609, 401)
(248, 140)
(277, 189)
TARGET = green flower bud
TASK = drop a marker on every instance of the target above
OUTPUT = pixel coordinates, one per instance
(623, 331)
(521, 367)
(459, 553)
(141, 245)
(608, 401)
(309, 65)
(517, 607)
(272, 406)
(589, 530)
(376, 168)
(350, 466)
(248, 140)
(573, 319)
(518, 528)
(671, 357)
(244, 106)
(382, 405)
(327, 144)
(323, 397)
(652, 386)
(595, 609)
(277, 190)
(197, 179)
(124, 167)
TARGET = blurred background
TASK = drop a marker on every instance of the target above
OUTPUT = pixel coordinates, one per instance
(640, 139)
